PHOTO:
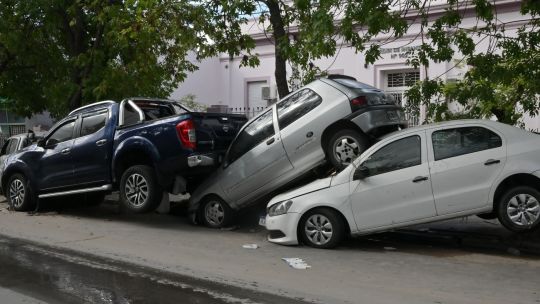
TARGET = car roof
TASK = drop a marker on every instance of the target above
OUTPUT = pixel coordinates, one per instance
(506, 129)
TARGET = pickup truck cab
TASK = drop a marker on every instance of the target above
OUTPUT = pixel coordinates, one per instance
(141, 147)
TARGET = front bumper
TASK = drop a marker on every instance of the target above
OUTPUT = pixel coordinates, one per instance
(282, 228)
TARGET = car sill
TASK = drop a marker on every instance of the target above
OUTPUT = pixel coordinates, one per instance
(78, 191)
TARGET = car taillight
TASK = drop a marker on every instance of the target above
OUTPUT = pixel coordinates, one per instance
(186, 133)
(358, 102)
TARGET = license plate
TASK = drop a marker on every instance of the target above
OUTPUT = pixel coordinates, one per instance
(262, 221)
(392, 115)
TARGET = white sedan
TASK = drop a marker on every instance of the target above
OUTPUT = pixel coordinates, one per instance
(418, 175)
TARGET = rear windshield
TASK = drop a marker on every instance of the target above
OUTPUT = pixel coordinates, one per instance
(353, 84)
(157, 110)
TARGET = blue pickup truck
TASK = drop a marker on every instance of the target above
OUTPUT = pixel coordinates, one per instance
(140, 147)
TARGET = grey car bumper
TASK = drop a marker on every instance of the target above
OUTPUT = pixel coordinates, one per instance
(374, 119)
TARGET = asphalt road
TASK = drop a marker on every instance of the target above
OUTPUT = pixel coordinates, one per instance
(460, 261)
(36, 273)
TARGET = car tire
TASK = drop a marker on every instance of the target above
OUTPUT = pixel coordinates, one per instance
(215, 212)
(519, 209)
(322, 228)
(140, 191)
(19, 193)
(345, 146)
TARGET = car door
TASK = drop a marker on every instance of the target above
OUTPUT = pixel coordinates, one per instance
(396, 188)
(464, 163)
(255, 159)
(92, 149)
(56, 165)
(302, 119)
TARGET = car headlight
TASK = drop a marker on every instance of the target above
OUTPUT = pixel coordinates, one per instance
(279, 208)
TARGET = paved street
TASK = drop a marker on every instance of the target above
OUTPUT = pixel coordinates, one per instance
(459, 261)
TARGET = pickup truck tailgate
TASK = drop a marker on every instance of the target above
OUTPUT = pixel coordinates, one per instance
(215, 131)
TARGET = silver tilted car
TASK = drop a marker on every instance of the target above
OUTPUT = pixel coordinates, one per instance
(331, 119)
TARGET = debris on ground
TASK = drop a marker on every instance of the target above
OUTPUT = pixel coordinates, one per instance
(390, 248)
(250, 246)
(296, 263)
(513, 251)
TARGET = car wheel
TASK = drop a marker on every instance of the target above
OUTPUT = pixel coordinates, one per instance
(345, 146)
(140, 191)
(322, 228)
(19, 193)
(215, 213)
(519, 209)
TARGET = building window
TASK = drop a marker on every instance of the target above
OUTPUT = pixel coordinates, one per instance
(402, 79)
(397, 82)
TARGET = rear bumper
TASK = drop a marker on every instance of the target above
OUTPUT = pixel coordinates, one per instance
(201, 160)
(372, 120)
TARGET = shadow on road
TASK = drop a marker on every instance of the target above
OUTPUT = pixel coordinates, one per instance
(448, 238)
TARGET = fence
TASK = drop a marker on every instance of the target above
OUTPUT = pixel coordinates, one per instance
(13, 130)
(249, 112)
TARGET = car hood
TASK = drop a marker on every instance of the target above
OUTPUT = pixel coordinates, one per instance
(311, 187)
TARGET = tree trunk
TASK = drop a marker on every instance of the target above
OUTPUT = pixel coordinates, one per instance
(281, 38)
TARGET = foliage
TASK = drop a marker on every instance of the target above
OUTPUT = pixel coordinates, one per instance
(503, 82)
(59, 55)
(499, 84)
(189, 101)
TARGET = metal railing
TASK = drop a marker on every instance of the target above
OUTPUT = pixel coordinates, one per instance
(249, 112)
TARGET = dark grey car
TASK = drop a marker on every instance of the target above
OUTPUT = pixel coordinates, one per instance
(331, 119)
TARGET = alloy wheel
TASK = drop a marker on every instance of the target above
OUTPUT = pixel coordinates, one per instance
(318, 229)
(16, 193)
(214, 213)
(346, 149)
(136, 190)
(523, 210)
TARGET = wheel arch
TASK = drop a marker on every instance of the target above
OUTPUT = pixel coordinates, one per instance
(335, 127)
(17, 168)
(134, 151)
(338, 212)
(518, 179)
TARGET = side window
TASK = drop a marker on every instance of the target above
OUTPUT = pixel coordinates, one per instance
(13, 145)
(459, 141)
(252, 135)
(296, 106)
(93, 123)
(400, 154)
(63, 133)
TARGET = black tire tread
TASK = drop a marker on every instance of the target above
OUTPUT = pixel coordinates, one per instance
(337, 224)
(362, 139)
(155, 192)
(501, 208)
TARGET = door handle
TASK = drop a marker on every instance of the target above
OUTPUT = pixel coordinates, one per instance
(492, 162)
(65, 151)
(270, 141)
(420, 179)
(101, 142)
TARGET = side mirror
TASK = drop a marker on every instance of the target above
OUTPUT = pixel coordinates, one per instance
(361, 173)
(41, 143)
